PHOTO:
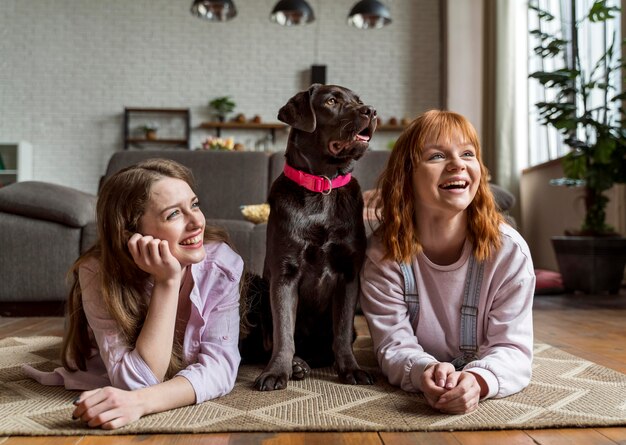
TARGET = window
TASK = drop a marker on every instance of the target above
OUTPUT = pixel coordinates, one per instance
(545, 143)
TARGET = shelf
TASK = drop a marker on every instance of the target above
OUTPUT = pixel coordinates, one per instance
(163, 115)
(387, 127)
(244, 125)
(157, 141)
(183, 111)
(272, 127)
(17, 162)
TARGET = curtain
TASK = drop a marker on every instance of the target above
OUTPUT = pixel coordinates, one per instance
(505, 112)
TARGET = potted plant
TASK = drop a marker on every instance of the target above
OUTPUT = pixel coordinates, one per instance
(222, 106)
(150, 130)
(585, 110)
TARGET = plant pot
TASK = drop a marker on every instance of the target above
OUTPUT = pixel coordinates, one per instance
(590, 264)
(151, 135)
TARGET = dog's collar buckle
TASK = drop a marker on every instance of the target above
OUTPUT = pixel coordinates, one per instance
(330, 185)
(314, 183)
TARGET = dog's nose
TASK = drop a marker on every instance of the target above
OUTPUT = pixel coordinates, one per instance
(368, 110)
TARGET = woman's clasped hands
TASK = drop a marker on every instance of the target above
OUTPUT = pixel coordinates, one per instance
(451, 391)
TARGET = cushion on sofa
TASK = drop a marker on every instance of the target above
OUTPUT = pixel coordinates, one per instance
(50, 202)
(504, 199)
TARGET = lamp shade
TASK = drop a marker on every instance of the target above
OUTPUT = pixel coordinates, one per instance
(214, 10)
(368, 14)
(292, 12)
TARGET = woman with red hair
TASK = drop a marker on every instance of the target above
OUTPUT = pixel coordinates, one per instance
(447, 285)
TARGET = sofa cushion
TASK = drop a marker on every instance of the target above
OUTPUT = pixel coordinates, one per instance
(50, 202)
(504, 199)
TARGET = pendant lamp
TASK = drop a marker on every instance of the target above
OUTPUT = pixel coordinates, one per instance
(214, 10)
(292, 12)
(368, 14)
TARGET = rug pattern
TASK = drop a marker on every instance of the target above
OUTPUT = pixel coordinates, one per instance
(565, 391)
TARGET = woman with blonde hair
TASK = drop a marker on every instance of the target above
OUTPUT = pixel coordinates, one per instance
(153, 313)
(447, 285)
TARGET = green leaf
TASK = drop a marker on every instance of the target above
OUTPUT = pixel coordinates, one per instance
(603, 150)
(574, 165)
(540, 34)
(554, 78)
(600, 12)
(567, 182)
(621, 96)
(541, 13)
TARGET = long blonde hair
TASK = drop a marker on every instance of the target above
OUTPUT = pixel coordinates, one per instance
(397, 229)
(121, 203)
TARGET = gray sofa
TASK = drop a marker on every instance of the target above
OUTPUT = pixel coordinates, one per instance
(44, 227)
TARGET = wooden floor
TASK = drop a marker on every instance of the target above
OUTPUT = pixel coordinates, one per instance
(593, 327)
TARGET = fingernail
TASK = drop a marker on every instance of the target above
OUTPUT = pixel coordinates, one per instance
(76, 401)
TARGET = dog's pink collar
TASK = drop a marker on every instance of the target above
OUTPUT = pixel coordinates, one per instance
(318, 184)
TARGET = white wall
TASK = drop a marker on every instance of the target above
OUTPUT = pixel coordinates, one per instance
(465, 24)
(69, 67)
(548, 211)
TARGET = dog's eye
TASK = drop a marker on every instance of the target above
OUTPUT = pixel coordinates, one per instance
(331, 101)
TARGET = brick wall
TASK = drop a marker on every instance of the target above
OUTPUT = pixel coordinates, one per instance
(69, 67)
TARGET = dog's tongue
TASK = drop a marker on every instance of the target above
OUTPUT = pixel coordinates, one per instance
(363, 137)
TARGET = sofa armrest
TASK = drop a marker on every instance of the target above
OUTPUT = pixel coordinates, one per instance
(50, 202)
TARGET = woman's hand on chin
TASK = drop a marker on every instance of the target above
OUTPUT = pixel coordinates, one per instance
(153, 256)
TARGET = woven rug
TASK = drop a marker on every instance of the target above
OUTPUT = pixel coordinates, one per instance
(566, 391)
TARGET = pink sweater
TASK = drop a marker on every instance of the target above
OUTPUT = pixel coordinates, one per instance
(210, 343)
(505, 328)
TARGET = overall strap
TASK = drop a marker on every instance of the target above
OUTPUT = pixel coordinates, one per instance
(468, 343)
(411, 297)
(469, 314)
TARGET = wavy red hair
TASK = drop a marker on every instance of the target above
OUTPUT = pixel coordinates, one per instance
(396, 214)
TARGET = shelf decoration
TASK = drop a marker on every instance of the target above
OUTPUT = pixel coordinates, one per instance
(224, 144)
(222, 107)
(150, 130)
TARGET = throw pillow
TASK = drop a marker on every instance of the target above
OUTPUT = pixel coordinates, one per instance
(256, 213)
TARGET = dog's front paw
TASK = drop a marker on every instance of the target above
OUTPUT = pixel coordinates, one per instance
(269, 381)
(356, 377)
(299, 369)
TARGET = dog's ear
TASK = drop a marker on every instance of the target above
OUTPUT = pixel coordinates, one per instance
(298, 112)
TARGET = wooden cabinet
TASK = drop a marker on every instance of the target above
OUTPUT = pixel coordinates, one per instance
(16, 162)
(174, 127)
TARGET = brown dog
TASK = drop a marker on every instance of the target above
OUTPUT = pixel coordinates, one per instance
(316, 237)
